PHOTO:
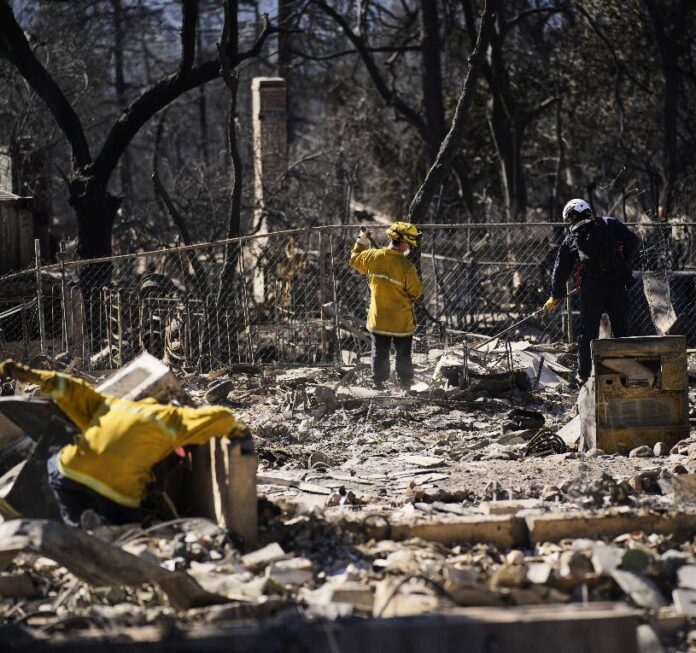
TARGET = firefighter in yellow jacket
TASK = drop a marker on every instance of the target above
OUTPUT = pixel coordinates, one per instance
(108, 467)
(394, 286)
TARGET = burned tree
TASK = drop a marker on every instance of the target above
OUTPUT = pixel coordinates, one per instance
(94, 205)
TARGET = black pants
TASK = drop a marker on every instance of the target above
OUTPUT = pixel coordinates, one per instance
(74, 498)
(380, 358)
(607, 294)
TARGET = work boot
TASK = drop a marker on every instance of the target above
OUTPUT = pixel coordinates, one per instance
(405, 385)
(378, 385)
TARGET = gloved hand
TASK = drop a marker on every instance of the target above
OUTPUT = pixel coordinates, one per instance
(364, 237)
(550, 304)
(12, 370)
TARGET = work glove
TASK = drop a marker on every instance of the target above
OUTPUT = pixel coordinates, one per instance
(550, 304)
(364, 238)
(12, 370)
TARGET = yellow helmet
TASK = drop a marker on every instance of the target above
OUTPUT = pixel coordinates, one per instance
(404, 231)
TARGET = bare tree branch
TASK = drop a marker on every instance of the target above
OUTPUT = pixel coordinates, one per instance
(390, 97)
(159, 96)
(14, 44)
(437, 172)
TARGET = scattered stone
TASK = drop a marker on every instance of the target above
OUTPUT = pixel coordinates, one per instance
(218, 390)
(686, 577)
(643, 451)
(538, 572)
(606, 558)
(595, 453)
(263, 557)
(574, 564)
(508, 575)
(661, 449)
(318, 458)
(648, 641)
(515, 557)
(643, 592)
(685, 602)
(296, 571)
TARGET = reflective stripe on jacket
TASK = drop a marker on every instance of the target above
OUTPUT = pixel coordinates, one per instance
(394, 285)
(121, 440)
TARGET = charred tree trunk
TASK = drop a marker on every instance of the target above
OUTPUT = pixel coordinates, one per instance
(94, 206)
(227, 53)
(669, 21)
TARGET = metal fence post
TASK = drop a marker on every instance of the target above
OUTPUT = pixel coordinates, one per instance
(322, 291)
(339, 357)
(245, 301)
(64, 299)
(39, 296)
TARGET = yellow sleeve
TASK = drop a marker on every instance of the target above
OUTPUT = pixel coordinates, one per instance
(201, 424)
(414, 287)
(356, 260)
(75, 397)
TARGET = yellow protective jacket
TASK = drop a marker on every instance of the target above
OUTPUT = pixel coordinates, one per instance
(394, 286)
(121, 440)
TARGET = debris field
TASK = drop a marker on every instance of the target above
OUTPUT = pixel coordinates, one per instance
(463, 492)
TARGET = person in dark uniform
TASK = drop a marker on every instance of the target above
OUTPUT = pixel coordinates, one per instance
(602, 251)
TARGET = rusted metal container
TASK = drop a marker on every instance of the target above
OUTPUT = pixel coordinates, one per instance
(639, 393)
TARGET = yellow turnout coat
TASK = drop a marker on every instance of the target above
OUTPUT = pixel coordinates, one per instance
(121, 440)
(394, 285)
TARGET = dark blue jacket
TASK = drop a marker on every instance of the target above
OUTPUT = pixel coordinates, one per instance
(620, 249)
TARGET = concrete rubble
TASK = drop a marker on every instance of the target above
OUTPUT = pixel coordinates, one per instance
(385, 504)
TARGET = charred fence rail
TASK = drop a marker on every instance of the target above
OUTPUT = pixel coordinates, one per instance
(294, 299)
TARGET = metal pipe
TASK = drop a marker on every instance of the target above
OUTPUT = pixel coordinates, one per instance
(39, 297)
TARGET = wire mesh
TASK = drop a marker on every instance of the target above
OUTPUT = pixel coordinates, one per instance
(291, 298)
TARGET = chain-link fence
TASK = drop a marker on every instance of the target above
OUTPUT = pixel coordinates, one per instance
(290, 297)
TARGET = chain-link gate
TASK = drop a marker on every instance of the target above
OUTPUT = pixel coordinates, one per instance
(290, 297)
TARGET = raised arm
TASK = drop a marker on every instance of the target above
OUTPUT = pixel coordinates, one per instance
(75, 397)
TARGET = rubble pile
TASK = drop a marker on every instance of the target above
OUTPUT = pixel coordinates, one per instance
(465, 491)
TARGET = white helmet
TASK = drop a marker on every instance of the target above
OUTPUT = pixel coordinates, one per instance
(576, 210)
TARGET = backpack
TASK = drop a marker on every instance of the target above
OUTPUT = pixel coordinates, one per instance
(597, 249)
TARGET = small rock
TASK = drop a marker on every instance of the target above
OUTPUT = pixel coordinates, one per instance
(515, 557)
(257, 560)
(218, 390)
(686, 576)
(296, 571)
(661, 449)
(318, 458)
(679, 469)
(641, 590)
(574, 564)
(551, 493)
(595, 453)
(538, 573)
(606, 558)
(508, 576)
(685, 602)
(641, 452)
